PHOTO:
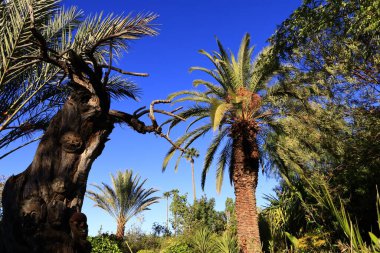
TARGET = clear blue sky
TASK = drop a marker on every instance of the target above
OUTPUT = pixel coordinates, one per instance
(184, 28)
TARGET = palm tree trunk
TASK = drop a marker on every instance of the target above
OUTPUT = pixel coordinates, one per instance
(193, 180)
(245, 177)
(120, 230)
(167, 213)
(39, 202)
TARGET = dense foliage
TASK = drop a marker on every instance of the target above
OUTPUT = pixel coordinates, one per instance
(104, 243)
(332, 49)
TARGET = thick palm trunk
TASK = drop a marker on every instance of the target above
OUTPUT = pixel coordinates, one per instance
(120, 230)
(39, 202)
(245, 176)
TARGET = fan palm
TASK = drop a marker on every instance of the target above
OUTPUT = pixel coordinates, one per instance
(126, 198)
(236, 108)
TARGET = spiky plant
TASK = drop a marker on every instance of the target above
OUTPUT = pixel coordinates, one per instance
(227, 243)
(236, 108)
(203, 241)
(126, 198)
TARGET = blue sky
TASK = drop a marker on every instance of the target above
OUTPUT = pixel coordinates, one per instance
(184, 28)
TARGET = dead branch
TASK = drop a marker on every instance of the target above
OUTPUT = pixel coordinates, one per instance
(123, 71)
(133, 120)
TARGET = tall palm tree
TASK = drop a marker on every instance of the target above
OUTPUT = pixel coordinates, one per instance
(167, 195)
(236, 107)
(189, 156)
(125, 199)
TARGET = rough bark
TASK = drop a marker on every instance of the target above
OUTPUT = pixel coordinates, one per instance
(39, 202)
(120, 230)
(245, 176)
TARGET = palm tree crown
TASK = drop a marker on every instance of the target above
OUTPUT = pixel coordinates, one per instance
(126, 198)
(236, 99)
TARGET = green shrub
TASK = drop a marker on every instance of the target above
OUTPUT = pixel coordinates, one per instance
(146, 251)
(177, 247)
(103, 243)
(203, 241)
(227, 243)
(139, 241)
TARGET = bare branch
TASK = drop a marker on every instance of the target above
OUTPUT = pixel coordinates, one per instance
(151, 108)
(123, 71)
(139, 126)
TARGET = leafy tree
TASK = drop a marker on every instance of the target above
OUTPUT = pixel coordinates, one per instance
(179, 209)
(159, 229)
(189, 218)
(202, 214)
(332, 48)
(237, 108)
(126, 198)
(82, 51)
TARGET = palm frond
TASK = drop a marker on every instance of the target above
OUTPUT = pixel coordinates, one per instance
(97, 32)
(186, 140)
(15, 35)
(119, 87)
(223, 161)
(210, 153)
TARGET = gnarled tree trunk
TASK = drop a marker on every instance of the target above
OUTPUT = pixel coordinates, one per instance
(39, 202)
(245, 176)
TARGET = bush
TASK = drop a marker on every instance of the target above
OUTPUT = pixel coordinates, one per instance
(177, 248)
(203, 241)
(139, 241)
(176, 245)
(146, 251)
(227, 243)
(104, 243)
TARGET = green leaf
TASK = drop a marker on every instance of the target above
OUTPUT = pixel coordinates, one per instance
(218, 109)
(292, 239)
(375, 240)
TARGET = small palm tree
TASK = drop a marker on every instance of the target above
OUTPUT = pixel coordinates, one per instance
(237, 108)
(125, 199)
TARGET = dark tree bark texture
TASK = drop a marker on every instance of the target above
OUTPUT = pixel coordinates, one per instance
(39, 202)
(245, 178)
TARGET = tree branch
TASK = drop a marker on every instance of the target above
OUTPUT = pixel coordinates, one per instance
(123, 71)
(139, 126)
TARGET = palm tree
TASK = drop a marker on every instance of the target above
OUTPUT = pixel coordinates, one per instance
(236, 107)
(189, 156)
(53, 54)
(167, 195)
(125, 199)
